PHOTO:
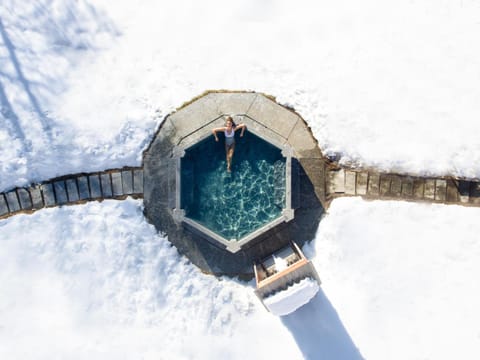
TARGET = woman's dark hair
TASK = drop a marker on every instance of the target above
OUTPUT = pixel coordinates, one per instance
(229, 118)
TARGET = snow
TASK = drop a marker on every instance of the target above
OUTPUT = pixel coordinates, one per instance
(400, 276)
(83, 87)
(97, 281)
(280, 263)
(287, 301)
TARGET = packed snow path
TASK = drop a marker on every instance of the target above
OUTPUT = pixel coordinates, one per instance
(73, 189)
(120, 183)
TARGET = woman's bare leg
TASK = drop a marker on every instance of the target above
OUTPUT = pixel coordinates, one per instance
(227, 150)
(230, 149)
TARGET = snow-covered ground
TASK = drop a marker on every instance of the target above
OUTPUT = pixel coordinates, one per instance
(83, 86)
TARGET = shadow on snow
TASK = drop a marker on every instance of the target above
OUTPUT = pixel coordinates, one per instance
(319, 332)
(31, 35)
(67, 28)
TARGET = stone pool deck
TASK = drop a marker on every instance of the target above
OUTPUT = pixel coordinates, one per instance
(193, 123)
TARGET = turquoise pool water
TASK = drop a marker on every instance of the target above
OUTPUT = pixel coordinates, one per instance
(237, 203)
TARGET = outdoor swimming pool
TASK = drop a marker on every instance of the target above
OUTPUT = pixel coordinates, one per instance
(233, 204)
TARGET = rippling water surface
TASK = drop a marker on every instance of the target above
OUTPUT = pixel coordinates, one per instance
(233, 204)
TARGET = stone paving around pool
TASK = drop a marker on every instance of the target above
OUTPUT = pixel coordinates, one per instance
(193, 123)
(315, 181)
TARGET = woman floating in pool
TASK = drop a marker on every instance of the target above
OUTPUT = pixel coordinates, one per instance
(229, 130)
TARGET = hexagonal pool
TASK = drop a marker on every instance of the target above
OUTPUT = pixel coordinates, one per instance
(234, 204)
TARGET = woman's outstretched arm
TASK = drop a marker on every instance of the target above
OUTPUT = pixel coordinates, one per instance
(241, 126)
(214, 131)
